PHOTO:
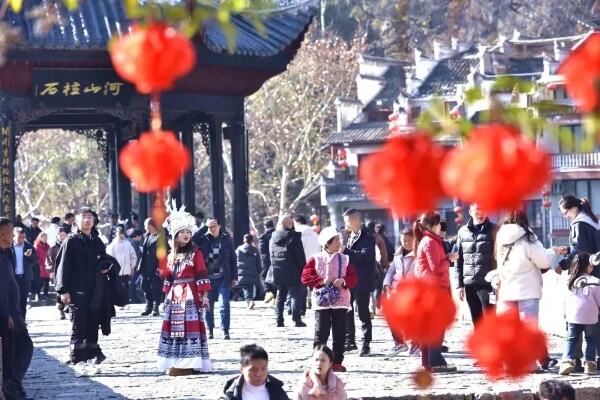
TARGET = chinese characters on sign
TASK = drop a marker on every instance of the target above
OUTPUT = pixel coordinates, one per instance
(74, 89)
(5, 173)
(80, 88)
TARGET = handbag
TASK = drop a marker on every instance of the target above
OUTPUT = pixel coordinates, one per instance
(329, 294)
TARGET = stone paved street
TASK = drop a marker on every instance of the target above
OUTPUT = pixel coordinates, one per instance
(129, 372)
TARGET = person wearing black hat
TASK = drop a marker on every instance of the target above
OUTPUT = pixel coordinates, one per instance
(75, 282)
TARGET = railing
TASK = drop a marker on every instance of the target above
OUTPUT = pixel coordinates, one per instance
(560, 223)
(575, 160)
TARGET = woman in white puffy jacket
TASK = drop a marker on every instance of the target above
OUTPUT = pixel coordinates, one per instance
(520, 257)
(122, 249)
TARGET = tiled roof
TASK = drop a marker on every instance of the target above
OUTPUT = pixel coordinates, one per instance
(95, 21)
(395, 83)
(444, 77)
(362, 132)
(343, 191)
(529, 65)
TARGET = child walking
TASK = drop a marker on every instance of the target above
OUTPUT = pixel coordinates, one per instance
(401, 268)
(581, 312)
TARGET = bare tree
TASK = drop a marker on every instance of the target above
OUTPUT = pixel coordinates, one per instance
(289, 119)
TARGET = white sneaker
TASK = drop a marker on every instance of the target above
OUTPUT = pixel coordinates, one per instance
(399, 348)
(80, 369)
(414, 351)
(91, 368)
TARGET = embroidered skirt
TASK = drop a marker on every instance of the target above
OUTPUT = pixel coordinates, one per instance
(183, 342)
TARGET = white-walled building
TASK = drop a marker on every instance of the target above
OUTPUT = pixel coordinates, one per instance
(385, 85)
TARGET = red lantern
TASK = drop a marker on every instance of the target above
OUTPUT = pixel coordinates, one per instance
(505, 344)
(341, 153)
(546, 190)
(497, 168)
(394, 123)
(581, 70)
(314, 219)
(419, 310)
(152, 57)
(155, 161)
(404, 175)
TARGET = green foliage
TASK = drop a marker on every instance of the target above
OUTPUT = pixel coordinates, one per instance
(509, 84)
(189, 16)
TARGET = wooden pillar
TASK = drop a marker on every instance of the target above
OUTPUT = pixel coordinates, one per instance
(7, 167)
(113, 170)
(188, 188)
(216, 170)
(239, 161)
(123, 184)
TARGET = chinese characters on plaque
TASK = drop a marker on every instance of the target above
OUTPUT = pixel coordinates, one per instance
(5, 175)
(74, 89)
(80, 88)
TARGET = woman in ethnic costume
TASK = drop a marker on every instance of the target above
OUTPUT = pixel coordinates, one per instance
(183, 345)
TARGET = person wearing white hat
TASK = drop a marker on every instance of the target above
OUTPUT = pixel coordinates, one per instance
(183, 345)
(331, 276)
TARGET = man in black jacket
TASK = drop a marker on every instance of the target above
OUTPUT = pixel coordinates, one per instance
(221, 262)
(475, 243)
(287, 263)
(75, 281)
(26, 266)
(17, 348)
(265, 258)
(360, 247)
(34, 230)
(148, 269)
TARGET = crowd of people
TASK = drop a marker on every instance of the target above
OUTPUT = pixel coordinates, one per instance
(333, 272)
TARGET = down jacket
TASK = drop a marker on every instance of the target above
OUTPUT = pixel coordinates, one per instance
(584, 236)
(287, 257)
(520, 262)
(248, 265)
(475, 253)
(431, 261)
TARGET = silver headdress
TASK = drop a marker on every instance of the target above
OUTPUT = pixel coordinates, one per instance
(178, 220)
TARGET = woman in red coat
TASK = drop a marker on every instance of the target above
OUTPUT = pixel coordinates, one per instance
(41, 250)
(431, 262)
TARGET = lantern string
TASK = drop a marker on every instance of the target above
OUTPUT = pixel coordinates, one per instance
(155, 114)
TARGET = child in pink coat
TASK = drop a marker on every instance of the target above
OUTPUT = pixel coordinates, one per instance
(320, 382)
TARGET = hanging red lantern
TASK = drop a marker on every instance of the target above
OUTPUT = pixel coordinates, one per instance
(315, 219)
(152, 57)
(581, 70)
(394, 123)
(155, 161)
(506, 344)
(419, 310)
(404, 175)
(497, 168)
(547, 204)
(341, 153)
(546, 190)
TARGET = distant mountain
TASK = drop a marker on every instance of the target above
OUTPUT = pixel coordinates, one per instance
(397, 27)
